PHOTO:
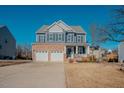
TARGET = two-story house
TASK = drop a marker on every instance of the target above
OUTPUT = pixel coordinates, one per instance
(7, 43)
(59, 41)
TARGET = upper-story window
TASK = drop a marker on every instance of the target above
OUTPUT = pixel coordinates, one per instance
(50, 37)
(79, 38)
(6, 41)
(63, 36)
(56, 37)
(82, 38)
(70, 38)
(0, 46)
(60, 37)
(41, 38)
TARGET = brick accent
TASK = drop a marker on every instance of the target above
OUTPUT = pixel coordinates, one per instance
(47, 47)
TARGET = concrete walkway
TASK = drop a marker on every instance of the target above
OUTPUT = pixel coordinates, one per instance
(33, 75)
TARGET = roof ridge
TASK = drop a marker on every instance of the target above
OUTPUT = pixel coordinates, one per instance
(1, 26)
(60, 21)
(64, 26)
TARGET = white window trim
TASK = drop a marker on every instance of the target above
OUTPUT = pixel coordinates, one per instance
(41, 38)
(69, 38)
(78, 38)
(59, 36)
(50, 36)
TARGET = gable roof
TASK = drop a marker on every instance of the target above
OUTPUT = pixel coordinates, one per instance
(78, 29)
(4, 30)
(43, 29)
(65, 27)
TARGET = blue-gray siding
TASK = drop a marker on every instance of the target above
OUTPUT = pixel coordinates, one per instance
(61, 37)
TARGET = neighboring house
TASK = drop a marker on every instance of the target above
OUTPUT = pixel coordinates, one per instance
(7, 44)
(58, 42)
(97, 52)
(121, 52)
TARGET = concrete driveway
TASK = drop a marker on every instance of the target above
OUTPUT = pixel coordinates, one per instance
(33, 75)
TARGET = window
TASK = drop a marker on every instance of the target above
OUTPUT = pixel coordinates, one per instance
(63, 37)
(0, 46)
(56, 36)
(84, 50)
(60, 37)
(41, 38)
(78, 39)
(50, 37)
(81, 50)
(6, 41)
(70, 38)
(82, 38)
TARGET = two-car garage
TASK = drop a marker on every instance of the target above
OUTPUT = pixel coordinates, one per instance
(48, 52)
(54, 56)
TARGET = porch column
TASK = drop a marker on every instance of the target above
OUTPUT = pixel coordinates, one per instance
(76, 49)
(88, 50)
(65, 49)
(65, 55)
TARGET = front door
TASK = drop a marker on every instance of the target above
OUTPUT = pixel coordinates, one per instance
(70, 51)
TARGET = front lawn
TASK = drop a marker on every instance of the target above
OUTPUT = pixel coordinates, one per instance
(80, 75)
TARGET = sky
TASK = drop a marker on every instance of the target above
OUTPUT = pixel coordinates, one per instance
(24, 21)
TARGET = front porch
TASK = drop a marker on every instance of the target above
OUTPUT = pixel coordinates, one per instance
(76, 51)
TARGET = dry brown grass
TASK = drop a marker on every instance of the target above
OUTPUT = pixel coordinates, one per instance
(12, 62)
(93, 75)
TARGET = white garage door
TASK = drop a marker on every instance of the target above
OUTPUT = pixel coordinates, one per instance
(57, 56)
(42, 56)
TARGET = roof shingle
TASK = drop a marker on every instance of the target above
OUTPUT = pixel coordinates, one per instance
(76, 29)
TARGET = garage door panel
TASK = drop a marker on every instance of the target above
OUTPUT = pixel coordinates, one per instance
(41, 56)
(57, 57)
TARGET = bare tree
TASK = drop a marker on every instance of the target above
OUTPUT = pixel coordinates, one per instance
(18, 51)
(114, 31)
(24, 51)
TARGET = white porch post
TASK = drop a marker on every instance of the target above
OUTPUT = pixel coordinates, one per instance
(76, 49)
(88, 50)
(65, 49)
